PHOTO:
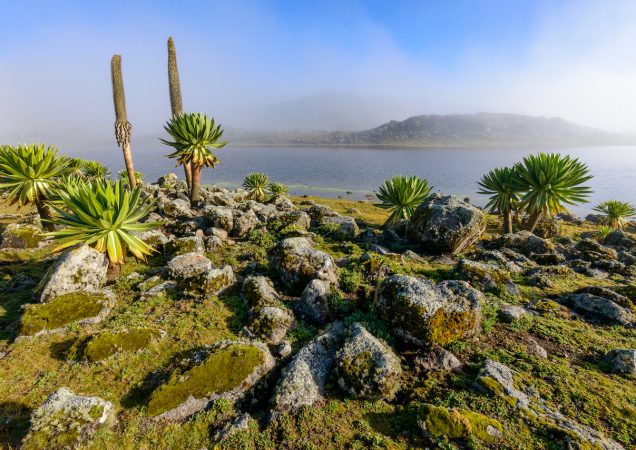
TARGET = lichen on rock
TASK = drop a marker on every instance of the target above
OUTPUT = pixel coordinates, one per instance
(106, 343)
(438, 421)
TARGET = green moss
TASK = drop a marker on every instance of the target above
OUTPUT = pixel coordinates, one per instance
(60, 312)
(446, 327)
(220, 371)
(452, 423)
(102, 345)
(181, 246)
(24, 236)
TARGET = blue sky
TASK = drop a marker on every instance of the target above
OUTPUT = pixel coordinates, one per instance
(315, 64)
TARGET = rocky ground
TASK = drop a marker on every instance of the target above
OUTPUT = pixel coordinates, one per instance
(300, 324)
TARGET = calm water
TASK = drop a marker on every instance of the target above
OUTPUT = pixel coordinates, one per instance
(334, 171)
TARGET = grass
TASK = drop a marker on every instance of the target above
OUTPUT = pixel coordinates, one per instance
(574, 379)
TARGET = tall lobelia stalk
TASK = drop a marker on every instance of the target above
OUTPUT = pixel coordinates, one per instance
(123, 128)
(176, 102)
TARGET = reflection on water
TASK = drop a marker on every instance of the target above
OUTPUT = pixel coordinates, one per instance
(335, 171)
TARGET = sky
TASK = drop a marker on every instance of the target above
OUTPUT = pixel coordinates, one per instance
(328, 64)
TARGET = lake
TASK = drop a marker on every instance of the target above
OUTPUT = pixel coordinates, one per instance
(333, 172)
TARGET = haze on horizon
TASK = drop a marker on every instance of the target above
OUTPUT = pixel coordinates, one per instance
(324, 65)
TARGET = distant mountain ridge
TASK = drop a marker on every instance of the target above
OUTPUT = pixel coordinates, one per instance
(488, 129)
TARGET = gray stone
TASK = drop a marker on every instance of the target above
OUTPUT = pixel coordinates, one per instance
(188, 266)
(313, 305)
(220, 217)
(174, 208)
(499, 380)
(425, 313)
(168, 181)
(271, 323)
(302, 382)
(282, 203)
(67, 420)
(282, 220)
(601, 308)
(159, 290)
(367, 367)
(446, 224)
(79, 269)
(511, 313)
(619, 238)
(592, 250)
(319, 212)
(258, 292)
(244, 222)
(488, 277)
(156, 238)
(622, 361)
(297, 263)
(183, 245)
(347, 226)
(236, 425)
(535, 349)
(526, 243)
(213, 243)
(17, 235)
(438, 359)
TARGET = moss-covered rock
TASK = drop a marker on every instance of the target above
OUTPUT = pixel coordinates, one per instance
(225, 370)
(271, 323)
(88, 307)
(424, 313)
(188, 244)
(437, 421)
(102, 345)
(368, 367)
(488, 277)
(66, 420)
(298, 219)
(17, 235)
(297, 263)
(258, 292)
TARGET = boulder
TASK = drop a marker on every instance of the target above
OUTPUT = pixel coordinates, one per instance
(289, 219)
(488, 277)
(438, 359)
(601, 308)
(622, 361)
(282, 203)
(592, 250)
(526, 243)
(511, 313)
(500, 380)
(313, 305)
(65, 309)
(188, 266)
(424, 313)
(367, 367)
(174, 208)
(244, 222)
(619, 238)
(155, 238)
(181, 246)
(236, 425)
(347, 226)
(79, 269)
(297, 263)
(168, 181)
(101, 345)
(196, 276)
(438, 421)
(66, 420)
(446, 224)
(258, 292)
(548, 228)
(302, 382)
(224, 370)
(19, 235)
(271, 323)
(220, 217)
(318, 212)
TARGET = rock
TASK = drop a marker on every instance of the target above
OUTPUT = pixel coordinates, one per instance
(591, 250)
(212, 243)
(168, 181)
(378, 249)
(367, 367)
(174, 208)
(622, 361)
(526, 243)
(347, 226)
(181, 246)
(271, 323)
(438, 421)
(258, 292)
(282, 203)
(548, 259)
(75, 307)
(410, 254)
(16, 235)
(188, 266)
(155, 238)
(226, 370)
(446, 224)
(500, 380)
(79, 269)
(535, 349)
(595, 218)
(220, 199)
(236, 425)
(548, 228)
(319, 212)
(217, 232)
(302, 382)
(67, 420)
(297, 263)
(243, 223)
(163, 288)
(284, 349)
(487, 277)
(511, 313)
(425, 313)
(196, 276)
(218, 281)
(101, 345)
(313, 305)
(220, 217)
(438, 359)
(619, 238)
(600, 308)
(291, 219)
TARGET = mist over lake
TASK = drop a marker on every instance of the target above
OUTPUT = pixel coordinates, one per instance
(333, 172)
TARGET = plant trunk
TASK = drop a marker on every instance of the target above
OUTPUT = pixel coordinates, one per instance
(533, 220)
(113, 272)
(507, 222)
(123, 128)
(45, 215)
(196, 186)
(176, 101)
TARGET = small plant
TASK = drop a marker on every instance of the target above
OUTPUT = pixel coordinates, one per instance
(94, 170)
(278, 188)
(256, 184)
(30, 173)
(501, 184)
(123, 176)
(603, 231)
(104, 215)
(402, 195)
(195, 136)
(617, 213)
(549, 182)
(350, 280)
